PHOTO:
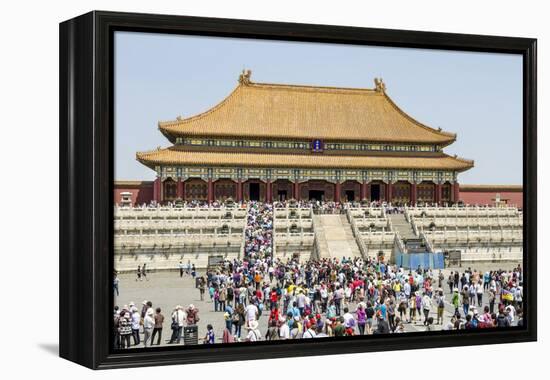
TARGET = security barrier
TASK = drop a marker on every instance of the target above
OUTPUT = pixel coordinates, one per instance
(423, 260)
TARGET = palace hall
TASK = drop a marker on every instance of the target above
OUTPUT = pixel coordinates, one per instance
(270, 142)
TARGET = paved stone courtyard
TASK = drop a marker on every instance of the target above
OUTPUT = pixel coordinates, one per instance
(167, 289)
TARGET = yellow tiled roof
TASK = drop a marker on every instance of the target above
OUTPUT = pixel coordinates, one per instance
(261, 110)
(491, 188)
(179, 156)
(132, 183)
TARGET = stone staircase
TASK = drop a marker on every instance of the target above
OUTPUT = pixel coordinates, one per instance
(401, 225)
(410, 242)
(335, 237)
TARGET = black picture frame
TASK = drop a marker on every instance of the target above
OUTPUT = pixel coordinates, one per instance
(86, 185)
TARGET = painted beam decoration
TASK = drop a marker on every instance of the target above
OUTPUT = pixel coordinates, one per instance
(185, 173)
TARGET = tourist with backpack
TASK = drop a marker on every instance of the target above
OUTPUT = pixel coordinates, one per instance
(254, 334)
(440, 300)
(238, 319)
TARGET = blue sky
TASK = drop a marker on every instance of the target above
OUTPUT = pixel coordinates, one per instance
(476, 95)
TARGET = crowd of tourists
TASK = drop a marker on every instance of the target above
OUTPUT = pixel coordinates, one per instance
(331, 298)
(129, 321)
(357, 297)
(258, 232)
(328, 297)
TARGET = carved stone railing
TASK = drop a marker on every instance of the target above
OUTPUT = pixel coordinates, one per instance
(316, 245)
(358, 239)
(398, 242)
(243, 237)
(427, 242)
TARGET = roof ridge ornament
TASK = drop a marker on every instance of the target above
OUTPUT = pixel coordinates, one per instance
(380, 86)
(244, 78)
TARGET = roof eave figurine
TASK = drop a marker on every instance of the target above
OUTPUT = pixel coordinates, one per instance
(244, 78)
(380, 86)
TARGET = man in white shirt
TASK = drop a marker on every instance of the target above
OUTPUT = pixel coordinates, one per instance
(426, 306)
(251, 312)
(407, 289)
(148, 326)
(178, 317)
(284, 330)
(479, 292)
(136, 319)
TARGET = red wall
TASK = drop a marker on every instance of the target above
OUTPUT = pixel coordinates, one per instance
(142, 191)
(487, 196)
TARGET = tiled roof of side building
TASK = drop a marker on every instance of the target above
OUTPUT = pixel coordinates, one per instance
(180, 156)
(262, 110)
(132, 183)
(490, 188)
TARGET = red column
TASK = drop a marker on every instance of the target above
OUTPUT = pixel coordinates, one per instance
(268, 195)
(413, 193)
(159, 191)
(179, 193)
(337, 191)
(438, 193)
(389, 188)
(156, 190)
(296, 190)
(239, 190)
(210, 191)
(363, 192)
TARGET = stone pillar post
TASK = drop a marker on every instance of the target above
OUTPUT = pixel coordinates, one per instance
(337, 191)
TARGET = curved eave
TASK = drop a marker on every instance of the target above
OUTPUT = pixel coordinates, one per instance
(181, 157)
(450, 137)
(145, 159)
(468, 164)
